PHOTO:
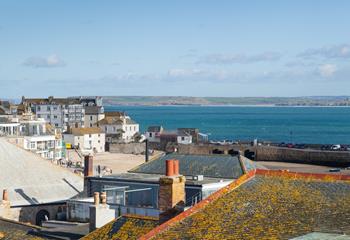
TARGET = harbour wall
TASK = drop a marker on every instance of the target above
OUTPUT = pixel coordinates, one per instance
(271, 153)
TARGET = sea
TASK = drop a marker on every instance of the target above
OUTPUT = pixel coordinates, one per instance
(319, 125)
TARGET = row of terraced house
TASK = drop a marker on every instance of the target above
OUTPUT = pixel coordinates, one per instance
(74, 122)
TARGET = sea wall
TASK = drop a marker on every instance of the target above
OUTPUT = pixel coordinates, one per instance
(127, 148)
(319, 157)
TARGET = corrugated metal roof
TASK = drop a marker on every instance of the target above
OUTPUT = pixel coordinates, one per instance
(216, 166)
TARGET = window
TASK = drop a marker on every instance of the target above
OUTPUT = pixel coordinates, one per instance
(55, 116)
(54, 108)
(98, 135)
(39, 116)
(56, 124)
(38, 108)
(99, 141)
(32, 145)
(48, 108)
(90, 124)
(48, 116)
(90, 136)
(135, 128)
(182, 138)
(150, 134)
(90, 118)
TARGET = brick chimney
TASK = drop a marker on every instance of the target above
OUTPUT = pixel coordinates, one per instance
(171, 198)
(88, 166)
(100, 213)
(5, 196)
(88, 172)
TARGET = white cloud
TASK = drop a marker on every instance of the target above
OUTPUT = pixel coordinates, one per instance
(332, 52)
(240, 58)
(327, 70)
(44, 62)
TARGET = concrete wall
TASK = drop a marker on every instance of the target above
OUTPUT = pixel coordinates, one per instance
(29, 213)
(128, 148)
(330, 158)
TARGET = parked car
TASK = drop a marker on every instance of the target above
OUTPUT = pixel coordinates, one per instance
(300, 146)
(336, 147)
(290, 145)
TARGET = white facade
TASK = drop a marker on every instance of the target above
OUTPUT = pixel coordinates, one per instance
(49, 147)
(61, 116)
(153, 136)
(90, 120)
(122, 129)
(89, 142)
(184, 139)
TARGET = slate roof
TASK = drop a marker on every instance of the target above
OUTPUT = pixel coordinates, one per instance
(215, 166)
(31, 179)
(271, 206)
(125, 227)
(83, 131)
(51, 100)
(91, 110)
(154, 128)
(15, 230)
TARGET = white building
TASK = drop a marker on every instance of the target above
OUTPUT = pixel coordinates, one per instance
(118, 127)
(88, 140)
(34, 135)
(153, 133)
(63, 113)
(48, 147)
(93, 114)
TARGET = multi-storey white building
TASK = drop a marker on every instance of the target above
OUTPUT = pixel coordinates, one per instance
(88, 140)
(118, 127)
(63, 113)
(33, 134)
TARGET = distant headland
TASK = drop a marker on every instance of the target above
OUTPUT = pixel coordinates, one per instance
(226, 101)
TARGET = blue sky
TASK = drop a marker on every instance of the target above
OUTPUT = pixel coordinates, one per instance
(178, 48)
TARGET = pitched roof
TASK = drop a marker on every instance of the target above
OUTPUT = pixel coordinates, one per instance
(216, 166)
(115, 114)
(31, 179)
(154, 128)
(51, 100)
(83, 131)
(15, 230)
(266, 204)
(124, 227)
(89, 110)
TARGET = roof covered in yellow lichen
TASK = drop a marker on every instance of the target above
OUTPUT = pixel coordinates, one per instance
(124, 227)
(15, 230)
(268, 207)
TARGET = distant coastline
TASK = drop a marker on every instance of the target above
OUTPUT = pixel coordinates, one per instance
(317, 101)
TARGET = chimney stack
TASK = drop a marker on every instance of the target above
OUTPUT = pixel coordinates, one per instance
(5, 196)
(171, 198)
(88, 166)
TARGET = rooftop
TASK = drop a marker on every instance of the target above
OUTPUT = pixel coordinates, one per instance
(154, 178)
(125, 227)
(30, 179)
(15, 230)
(51, 100)
(265, 204)
(83, 131)
(154, 128)
(89, 110)
(215, 166)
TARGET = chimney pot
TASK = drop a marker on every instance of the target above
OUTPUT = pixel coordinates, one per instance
(96, 198)
(169, 168)
(103, 197)
(176, 167)
(5, 196)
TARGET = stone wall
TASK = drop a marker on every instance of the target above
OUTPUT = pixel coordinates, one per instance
(330, 158)
(29, 214)
(127, 148)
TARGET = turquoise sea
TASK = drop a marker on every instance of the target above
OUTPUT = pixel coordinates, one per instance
(279, 124)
